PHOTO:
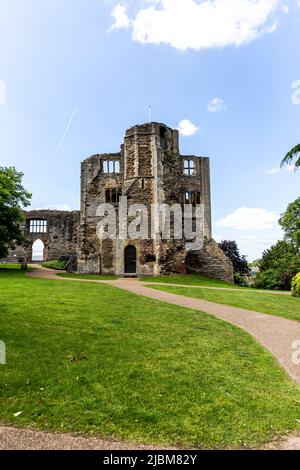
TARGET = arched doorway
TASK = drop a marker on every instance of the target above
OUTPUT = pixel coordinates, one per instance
(130, 259)
(38, 250)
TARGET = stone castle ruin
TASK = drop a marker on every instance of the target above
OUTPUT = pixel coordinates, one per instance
(148, 170)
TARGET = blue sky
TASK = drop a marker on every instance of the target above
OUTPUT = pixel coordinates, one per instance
(75, 74)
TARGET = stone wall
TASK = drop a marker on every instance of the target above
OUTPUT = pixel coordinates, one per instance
(210, 261)
(60, 239)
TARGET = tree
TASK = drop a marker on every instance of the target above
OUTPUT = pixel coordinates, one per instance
(278, 266)
(282, 249)
(13, 197)
(240, 264)
(294, 153)
(290, 222)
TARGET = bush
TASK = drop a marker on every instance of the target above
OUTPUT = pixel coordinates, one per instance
(55, 264)
(280, 276)
(296, 285)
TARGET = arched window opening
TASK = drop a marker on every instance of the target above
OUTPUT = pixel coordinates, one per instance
(38, 250)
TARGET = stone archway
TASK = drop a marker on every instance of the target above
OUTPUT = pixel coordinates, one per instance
(38, 248)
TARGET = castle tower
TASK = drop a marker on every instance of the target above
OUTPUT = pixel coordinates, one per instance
(148, 170)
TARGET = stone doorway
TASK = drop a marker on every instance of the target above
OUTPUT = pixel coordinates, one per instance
(130, 260)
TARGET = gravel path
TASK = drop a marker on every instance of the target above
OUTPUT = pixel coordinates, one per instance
(26, 439)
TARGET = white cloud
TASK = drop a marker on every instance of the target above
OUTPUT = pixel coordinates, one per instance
(274, 171)
(2, 92)
(121, 20)
(246, 218)
(60, 207)
(249, 243)
(191, 24)
(216, 104)
(187, 128)
(54, 207)
(254, 246)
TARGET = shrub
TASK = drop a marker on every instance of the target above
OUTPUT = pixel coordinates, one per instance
(280, 274)
(296, 285)
(55, 264)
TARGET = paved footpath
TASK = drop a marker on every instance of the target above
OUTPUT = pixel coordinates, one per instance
(274, 333)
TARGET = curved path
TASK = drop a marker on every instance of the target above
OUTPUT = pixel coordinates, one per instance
(275, 333)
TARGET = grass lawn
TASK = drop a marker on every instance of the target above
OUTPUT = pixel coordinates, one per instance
(284, 306)
(98, 360)
(96, 277)
(198, 280)
(189, 279)
(10, 266)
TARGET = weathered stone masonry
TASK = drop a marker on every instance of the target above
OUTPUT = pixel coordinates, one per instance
(148, 169)
(58, 235)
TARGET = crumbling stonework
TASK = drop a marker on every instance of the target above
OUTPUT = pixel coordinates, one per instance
(58, 235)
(148, 170)
(210, 261)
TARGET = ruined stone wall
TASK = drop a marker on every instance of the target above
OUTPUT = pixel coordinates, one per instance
(210, 261)
(95, 256)
(60, 239)
(151, 172)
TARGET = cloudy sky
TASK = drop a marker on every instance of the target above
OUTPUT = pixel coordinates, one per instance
(75, 74)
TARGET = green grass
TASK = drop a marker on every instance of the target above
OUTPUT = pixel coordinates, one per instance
(95, 359)
(200, 281)
(189, 279)
(95, 277)
(284, 306)
(10, 266)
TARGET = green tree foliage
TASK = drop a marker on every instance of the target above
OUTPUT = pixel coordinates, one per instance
(293, 154)
(290, 222)
(13, 197)
(283, 249)
(278, 266)
(240, 265)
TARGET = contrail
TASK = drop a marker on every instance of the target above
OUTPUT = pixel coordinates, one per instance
(61, 142)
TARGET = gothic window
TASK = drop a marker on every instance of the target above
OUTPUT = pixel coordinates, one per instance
(192, 197)
(111, 166)
(112, 196)
(189, 167)
(38, 226)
